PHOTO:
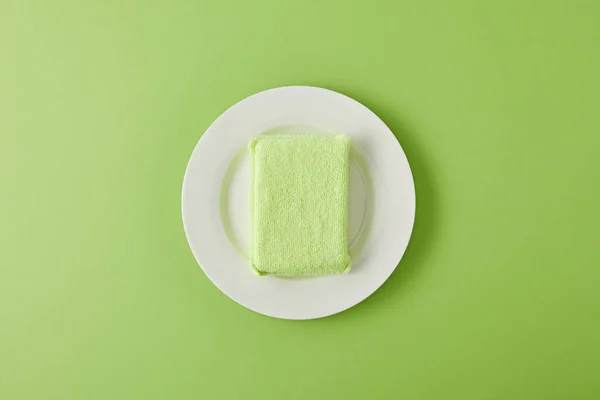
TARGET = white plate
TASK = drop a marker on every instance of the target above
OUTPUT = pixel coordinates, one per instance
(215, 201)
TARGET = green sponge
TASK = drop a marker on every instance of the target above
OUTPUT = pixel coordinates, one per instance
(299, 205)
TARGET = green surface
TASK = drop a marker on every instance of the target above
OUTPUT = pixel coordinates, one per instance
(299, 205)
(495, 103)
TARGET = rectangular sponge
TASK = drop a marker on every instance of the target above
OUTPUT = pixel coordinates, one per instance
(299, 205)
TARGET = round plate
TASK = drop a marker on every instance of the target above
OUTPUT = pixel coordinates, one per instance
(215, 201)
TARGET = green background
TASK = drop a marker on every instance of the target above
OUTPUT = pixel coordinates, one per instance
(495, 103)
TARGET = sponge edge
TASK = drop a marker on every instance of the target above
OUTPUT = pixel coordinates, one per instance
(299, 205)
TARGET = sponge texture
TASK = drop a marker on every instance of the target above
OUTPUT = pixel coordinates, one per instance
(299, 205)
